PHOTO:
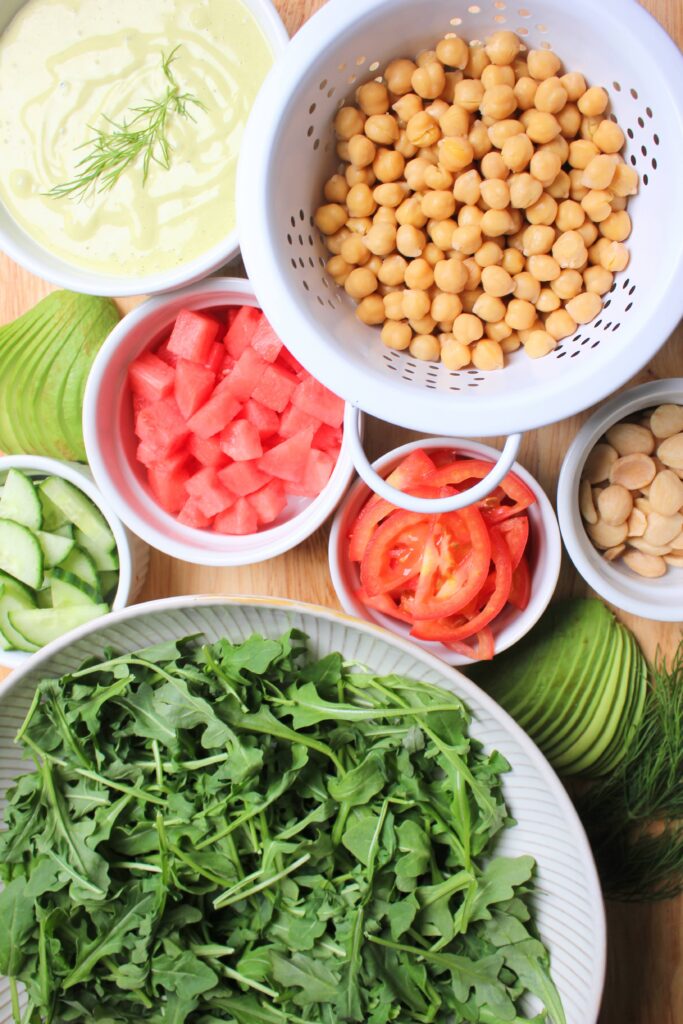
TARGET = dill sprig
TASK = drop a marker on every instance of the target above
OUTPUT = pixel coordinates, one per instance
(634, 816)
(119, 144)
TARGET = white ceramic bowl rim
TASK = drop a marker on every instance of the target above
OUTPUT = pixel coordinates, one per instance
(658, 599)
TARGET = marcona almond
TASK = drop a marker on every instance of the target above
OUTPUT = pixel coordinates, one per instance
(677, 543)
(643, 505)
(637, 523)
(666, 493)
(661, 530)
(650, 566)
(667, 420)
(675, 561)
(632, 471)
(649, 549)
(615, 505)
(586, 505)
(605, 536)
(670, 451)
(599, 463)
(630, 438)
(613, 553)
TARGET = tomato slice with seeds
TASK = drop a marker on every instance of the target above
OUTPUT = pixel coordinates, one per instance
(453, 569)
(462, 470)
(386, 604)
(485, 646)
(393, 545)
(516, 534)
(520, 591)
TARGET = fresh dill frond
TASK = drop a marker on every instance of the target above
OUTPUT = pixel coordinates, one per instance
(119, 144)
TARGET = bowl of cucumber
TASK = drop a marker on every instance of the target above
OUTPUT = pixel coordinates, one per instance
(65, 558)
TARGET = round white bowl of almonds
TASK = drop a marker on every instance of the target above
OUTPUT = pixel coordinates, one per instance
(620, 500)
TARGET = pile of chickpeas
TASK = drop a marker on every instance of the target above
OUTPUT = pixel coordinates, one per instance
(481, 202)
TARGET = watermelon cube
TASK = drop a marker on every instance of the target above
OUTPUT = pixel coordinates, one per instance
(161, 427)
(269, 502)
(150, 377)
(212, 497)
(239, 520)
(287, 360)
(215, 414)
(194, 384)
(328, 439)
(163, 353)
(241, 441)
(191, 515)
(265, 341)
(230, 315)
(266, 421)
(241, 330)
(167, 484)
(275, 388)
(318, 471)
(138, 404)
(246, 374)
(294, 420)
(216, 357)
(147, 456)
(287, 461)
(243, 478)
(206, 450)
(192, 336)
(317, 400)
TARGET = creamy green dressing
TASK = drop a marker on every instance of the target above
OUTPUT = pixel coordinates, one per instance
(66, 63)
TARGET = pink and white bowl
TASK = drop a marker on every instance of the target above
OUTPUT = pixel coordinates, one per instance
(111, 443)
(544, 550)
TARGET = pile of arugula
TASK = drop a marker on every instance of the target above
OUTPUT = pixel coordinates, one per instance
(239, 833)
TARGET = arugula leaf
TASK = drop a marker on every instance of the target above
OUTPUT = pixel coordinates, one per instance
(17, 916)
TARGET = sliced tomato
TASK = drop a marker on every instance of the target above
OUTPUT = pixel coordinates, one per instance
(375, 510)
(485, 646)
(516, 534)
(458, 472)
(520, 591)
(409, 471)
(399, 540)
(386, 604)
(453, 569)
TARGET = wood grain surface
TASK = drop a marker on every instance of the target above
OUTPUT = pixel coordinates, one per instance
(645, 957)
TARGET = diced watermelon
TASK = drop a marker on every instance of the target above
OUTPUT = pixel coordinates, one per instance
(243, 478)
(266, 421)
(194, 384)
(241, 330)
(147, 456)
(167, 484)
(206, 450)
(294, 420)
(328, 439)
(318, 471)
(246, 374)
(290, 363)
(193, 335)
(191, 515)
(215, 414)
(317, 400)
(275, 388)
(269, 502)
(241, 441)
(150, 377)
(161, 427)
(265, 341)
(163, 353)
(227, 364)
(230, 313)
(138, 404)
(212, 496)
(287, 460)
(216, 357)
(239, 520)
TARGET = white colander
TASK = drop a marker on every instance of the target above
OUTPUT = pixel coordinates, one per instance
(288, 152)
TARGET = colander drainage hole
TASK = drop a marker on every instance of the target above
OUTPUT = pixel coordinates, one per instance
(629, 132)
(607, 304)
(616, 328)
(596, 324)
(574, 354)
(632, 289)
(655, 139)
(648, 111)
(634, 94)
(627, 307)
(654, 164)
(289, 239)
(616, 86)
(595, 343)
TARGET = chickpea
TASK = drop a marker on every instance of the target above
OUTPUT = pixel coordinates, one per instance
(525, 190)
(398, 76)
(551, 96)
(330, 218)
(425, 347)
(355, 251)
(495, 223)
(374, 264)
(569, 120)
(496, 282)
(466, 239)
(560, 324)
(539, 344)
(568, 284)
(520, 67)
(450, 276)
(558, 147)
(415, 171)
(495, 194)
(538, 239)
(498, 102)
(385, 215)
(422, 130)
(520, 314)
(584, 307)
(609, 137)
(360, 283)
(445, 307)
(593, 101)
(526, 287)
(425, 57)
(543, 211)
(336, 189)
(577, 191)
(589, 126)
(498, 331)
(490, 254)
(615, 257)
(470, 215)
(455, 355)
(404, 146)
(407, 106)
(419, 275)
(502, 47)
(619, 203)
(525, 92)
(390, 194)
(360, 202)
(596, 205)
(359, 176)
(473, 273)
(543, 268)
(423, 325)
(381, 239)
(511, 343)
(560, 187)
(453, 52)
(373, 98)
(542, 64)
(455, 121)
(334, 242)
(524, 335)
(361, 150)
(342, 149)
(493, 168)
(598, 251)
(433, 254)
(388, 165)
(467, 187)
(455, 153)
(410, 241)
(438, 179)
(487, 355)
(393, 305)
(616, 227)
(410, 212)
(338, 268)
(370, 310)
(349, 121)
(428, 81)
(547, 301)
(396, 334)
(569, 250)
(438, 205)
(581, 153)
(392, 271)
(476, 62)
(469, 94)
(517, 151)
(441, 233)
(625, 180)
(382, 128)
(539, 126)
(500, 131)
(479, 139)
(570, 215)
(513, 261)
(598, 280)
(467, 328)
(545, 166)
(494, 75)
(574, 84)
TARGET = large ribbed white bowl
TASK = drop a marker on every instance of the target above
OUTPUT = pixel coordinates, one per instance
(569, 909)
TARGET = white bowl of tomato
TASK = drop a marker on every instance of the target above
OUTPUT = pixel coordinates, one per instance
(463, 585)
(209, 440)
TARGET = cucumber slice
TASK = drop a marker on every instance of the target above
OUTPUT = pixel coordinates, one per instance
(20, 501)
(67, 530)
(39, 626)
(79, 510)
(68, 591)
(55, 548)
(44, 598)
(5, 645)
(53, 517)
(109, 584)
(105, 560)
(81, 564)
(20, 553)
(15, 597)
